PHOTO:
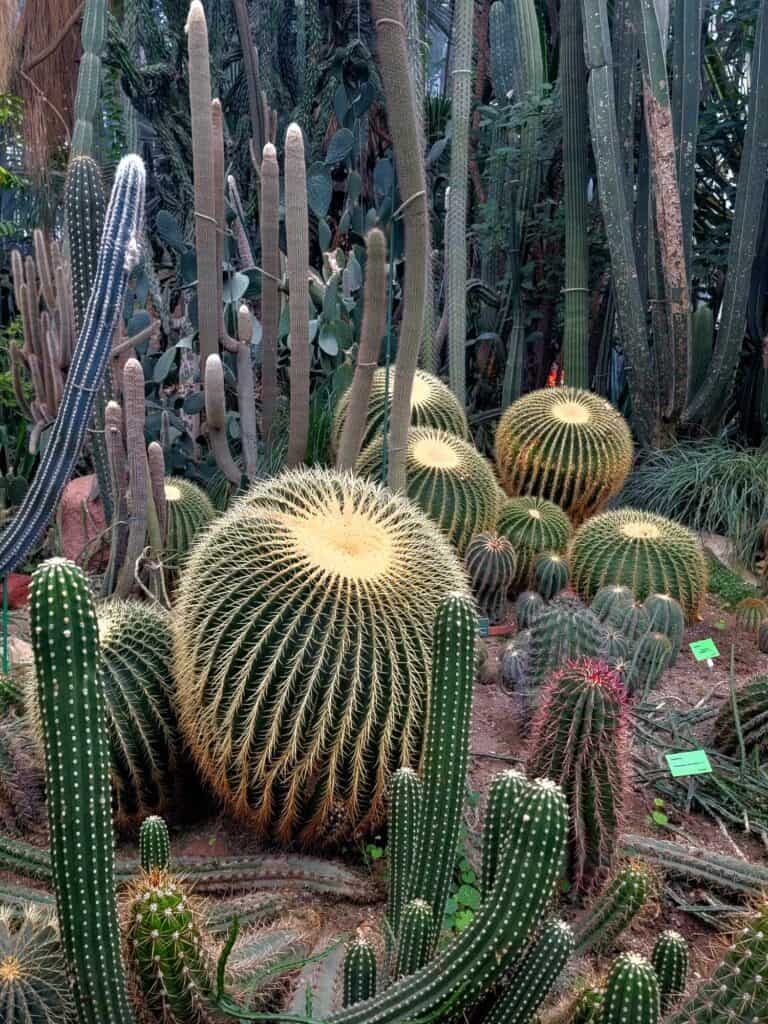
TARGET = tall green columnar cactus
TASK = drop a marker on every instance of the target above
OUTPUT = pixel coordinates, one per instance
(117, 256)
(414, 942)
(533, 976)
(670, 961)
(446, 750)
(269, 227)
(505, 789)
(371, 333)
(405, 799)
(208, 269)
(573, 89)
(359, 972)
(92, 37)
(66, 646)
(154, 844)
(297, 245)
(409, 161)
(631, 992)
(456, 214)
(466, 968)
(579, 738)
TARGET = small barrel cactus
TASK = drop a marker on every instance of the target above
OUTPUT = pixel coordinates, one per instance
(608, 599)
(154, 844)
(549, 574)
(631, 992)
(750, 613)
(527, 607)
(620, 900)
(491, 565)
(648, 662)
(189, 510)
(533, 525)
(632, 620)
(666, 616)
(587, 1007)
(642, 551)
(614, 647)
(579, 739)
(564, 444)
(752, 707)
(515, 673)
(564, 630)
(359, 972)
(34, 987)
(447, 478)
(670, 961)
(414, 943)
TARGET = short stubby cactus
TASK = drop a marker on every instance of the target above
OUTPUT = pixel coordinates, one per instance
(670, 961)
(666, 616)
(649, 660)
(414, 943)
(631, 992)
(405, 799)
(433, 404)
(631, 619)
(752, 708)
(642, 551)
(532, 525)
(750, 613)
(34, 987)
(491, 565)
(527, 606)
(188, 510)
(359, 971)
(579, 739)
(564, 444)
(303, 650)
(564, 630)
(154, 844)
(505, 790)
(447, 478)
(609, 599)
(549, 574)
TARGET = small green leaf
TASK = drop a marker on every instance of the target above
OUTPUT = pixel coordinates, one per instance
(163, 365)
(319, 188)
(463, 919)
(451, 906)
(327, 340)
(660, 817)
(468, 896)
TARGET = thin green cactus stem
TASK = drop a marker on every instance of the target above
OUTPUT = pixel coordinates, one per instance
(414, 943)
(405, 799)
(154, 844)
(622, 898)
(359, 972)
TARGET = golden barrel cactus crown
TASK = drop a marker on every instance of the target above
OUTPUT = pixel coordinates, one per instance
(303, 646)
(189, 511)
(564, 444)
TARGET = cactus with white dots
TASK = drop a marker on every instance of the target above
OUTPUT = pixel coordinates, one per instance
(154, 844)
(414, 942)
(71, 697)
(359, 972)
(631, 992)
(405, 798)
(505, 789)
(670, 961)
(618, 903)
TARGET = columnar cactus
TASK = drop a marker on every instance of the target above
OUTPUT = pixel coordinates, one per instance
(670, 961)
(117, 256)
(72, 712)
(579, 739)
(648, 662)
(269, 225)
(491, 565)
(631, 992)
(505, 789)
(564, 444)
(528, 607)
(532, 525)
(642, 551)
(34, 987)
(752, 707)
(622, 898)
(297, 251)
(414, 943)
(189, 510)
(405, 799)
(666, 616)
(359, 972)
(549, 574)
(154, 844)
(447, 478)
(298, 720)
(92, 36)
(563, 630)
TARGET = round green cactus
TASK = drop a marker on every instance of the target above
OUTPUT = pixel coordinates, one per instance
(491, 565)
(154, 844)
(34, 986)
(433, 404)
(515, 669)
(666, 616)
(752, 706)
(549, 574)
(642, 551)
(670, 961)
(631, 619)
(533, 525)
(303, 650)
(631, 992)
(608, 600)
(564, 444)
(189, 510)
(750, 613)
(649, 660)
(447, 478)
(564, 630)
(528, 606)
(614, 647)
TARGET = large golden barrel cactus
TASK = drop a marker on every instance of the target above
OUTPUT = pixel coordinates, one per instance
(642, 551)
(448, 479)
(303, 644)
(433, 404)
(564, 444)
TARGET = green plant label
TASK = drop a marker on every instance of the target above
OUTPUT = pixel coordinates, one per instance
(703, 650)
(483, 626)
(688, 762)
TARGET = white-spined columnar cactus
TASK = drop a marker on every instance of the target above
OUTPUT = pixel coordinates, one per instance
(303, 636)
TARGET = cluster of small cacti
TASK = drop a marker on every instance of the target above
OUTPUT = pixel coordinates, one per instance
(752, 710)
(532, 526)
(491, 565)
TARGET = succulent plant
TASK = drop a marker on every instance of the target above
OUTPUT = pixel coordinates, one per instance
(189, 510)
(587, 1006)
(532, 525)
(297, 720)
(750, 613)
(405, 800)
(447, 478)
(359, 972)
(608, 599)
(631, 992)
(527, 606)
(22, 802)
(515, 673)
(549, 574)
(631, 619)
(670, 961)
(642, 551)
(666, 616)
(154, 844)
(614, 648)
(491, 565)
(505, 789)
(34, 987)
(579, 739)
(608, 915)
(564, 630)
(649, 659)
(414, 942)
(564, 444)
(752, 707)
(433, 404)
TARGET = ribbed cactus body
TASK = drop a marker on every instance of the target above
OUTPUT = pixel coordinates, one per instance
(72, 712)
(614, 648)
(359, 972)
(505, 790)
(84, 205)
(433, 404)
(631, 992)
(670, 961)
(469, 966)
(515, 672)
(533, 976)
(631, 619)
(303, 647)
(414, 943)
(117, 255)
(22, 797)
(650, 658)
(642, 551)
(154, 844)
(622, 898)
(491, 565)
(579, 739)
(564, 630)
(189, 511)
(405, 798)
(564, 444)
(762, 638)
(666, 616)
(528, 606)
(750, 613)
(549, 574)
(447, 478)
(752, 706)
(92, 36)
(608, 600)
(532, 525)
(166, 949)
(34, 987)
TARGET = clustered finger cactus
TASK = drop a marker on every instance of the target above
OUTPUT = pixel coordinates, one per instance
(405, 800)
(579, 739)
(631, 992)
(505, 790)
(188, 511)
(564, 444)
(414, 942)
(359, 972)
(642, 551)
(34, 987)
(532, 525)
(549, 574)
(447, 478)
(670, 961)
(154, 844)
(491, 565)
(303, 647)
(618, 903)
(752, 708)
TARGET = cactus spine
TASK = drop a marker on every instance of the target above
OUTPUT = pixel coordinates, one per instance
(188, 512)
(359, 972)
(72, 712)
(297, 248)
(670, 961)
(269, 226)
(608, 600)
(666, 616)
(549, 574)
(414, 943)
(750, 613)
(631, 992)
(528, 607)
(562, 631)
(92, 37)
(631, 619)
(405, 799)
(491, 565)
(154, 844)
(117, 256)
(607, 917)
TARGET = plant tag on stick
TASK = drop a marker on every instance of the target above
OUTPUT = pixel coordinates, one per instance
(705, 650)
(688, 762)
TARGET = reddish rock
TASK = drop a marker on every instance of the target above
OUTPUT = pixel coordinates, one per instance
(81, 525)
(18, 589)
